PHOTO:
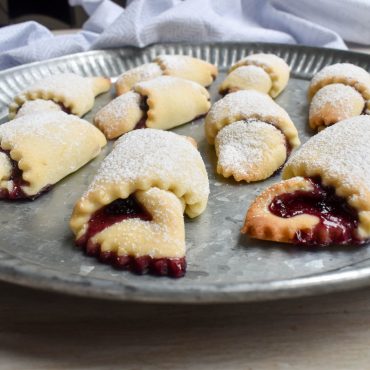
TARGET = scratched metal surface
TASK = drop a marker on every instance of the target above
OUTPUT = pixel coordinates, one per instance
(36, 246)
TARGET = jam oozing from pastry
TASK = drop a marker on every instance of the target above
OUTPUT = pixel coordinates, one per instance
(16, 177)
(337, 220)
(144, 107)
(117, 211)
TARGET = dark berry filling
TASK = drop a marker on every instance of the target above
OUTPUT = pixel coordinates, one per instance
(17, 192)
(144, 107)
(117, 211)
(337, 220)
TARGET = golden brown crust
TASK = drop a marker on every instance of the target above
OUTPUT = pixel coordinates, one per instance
(260, 223)
(162, 237)
(334, 103)
(249, 104)
(274, 66)
(120, 115)
(342, 73)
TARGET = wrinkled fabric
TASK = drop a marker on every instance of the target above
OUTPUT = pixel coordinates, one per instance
(318, 23)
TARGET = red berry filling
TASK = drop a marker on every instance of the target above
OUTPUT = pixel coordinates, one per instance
(144, 107)
(17, 179)
(337, 220)
(117, 211)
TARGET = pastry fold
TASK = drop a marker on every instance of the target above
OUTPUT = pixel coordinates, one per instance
(334, 166)
(159, 171)
(38, 150)
(75, 94)
(182, 66)
(266, 73)
(338, 92)
(162, 103)
(253, 135)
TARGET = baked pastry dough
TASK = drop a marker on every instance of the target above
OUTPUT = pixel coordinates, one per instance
(266, 73)
(162, 103)
(338, 92)
(74, 93)
(38, 150)
(325, 198)
(182, 66)
(261, 149)
(250, 150)
(37, 106)
(132, 213)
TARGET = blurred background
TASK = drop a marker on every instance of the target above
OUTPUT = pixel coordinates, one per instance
(55, 14)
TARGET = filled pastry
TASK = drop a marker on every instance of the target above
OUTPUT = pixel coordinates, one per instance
(325, 196)
(132, 214)
(162, 103)
(182, 66)
(73, 93)
(338, 92)
(253, 135)
(266, 73)
(37, 150)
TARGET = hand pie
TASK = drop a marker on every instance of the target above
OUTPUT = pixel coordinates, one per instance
(132, 214)
(325, 197)
(38, 150)
(75, 94)
(182, 66)
(266, 73)
(338, 92)
(253, 135)
(162, 103)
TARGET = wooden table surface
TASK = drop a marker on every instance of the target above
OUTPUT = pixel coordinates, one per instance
(41, 330)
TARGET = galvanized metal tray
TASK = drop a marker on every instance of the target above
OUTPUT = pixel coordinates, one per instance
(37, 249)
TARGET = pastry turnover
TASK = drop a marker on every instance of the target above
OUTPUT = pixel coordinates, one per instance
(162, 103)
(38, 150)
(253, 135)
(325, 196)
(266, 73)
(132, 214)
(338, 92)
(75, 94)
(182, 66)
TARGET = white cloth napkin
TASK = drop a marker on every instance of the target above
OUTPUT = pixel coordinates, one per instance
(321, 23)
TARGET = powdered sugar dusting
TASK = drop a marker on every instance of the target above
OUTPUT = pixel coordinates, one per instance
(158, 157)
(65, 84)
(48, 126)
(119, 107)
(340, 96)
(242, 145)
(37, 106)
(143, 72)
(168, 83)
(341, 151)
(347, 70)
(245, 103)
(175, 62)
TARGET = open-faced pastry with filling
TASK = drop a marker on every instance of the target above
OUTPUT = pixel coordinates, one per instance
(75, 94)
(325, 196)
(266, 73)
(338, 92)
(37, 150)
(253, 135)
(132, 214)
(162, 103)
(182, 66)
